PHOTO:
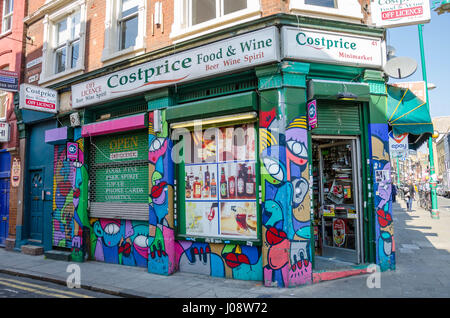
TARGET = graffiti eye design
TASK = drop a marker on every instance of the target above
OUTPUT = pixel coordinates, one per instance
(157, 144)
(141, 241)
(77, 164)
(297, 148)
(273, 168)
(112, 229)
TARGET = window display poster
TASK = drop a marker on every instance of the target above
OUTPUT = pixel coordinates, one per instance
(220, 183)
(328, 210)
(238, 219)
(338, 232)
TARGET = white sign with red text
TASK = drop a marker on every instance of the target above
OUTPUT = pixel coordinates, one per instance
(240, 52)
(394, 13)
(38, 98)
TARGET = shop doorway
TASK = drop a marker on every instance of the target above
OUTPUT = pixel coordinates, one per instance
(337, 198)
(4, 210)
(36, 205)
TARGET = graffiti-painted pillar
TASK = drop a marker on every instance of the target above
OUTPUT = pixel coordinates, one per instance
(80, 179)
(381, 172)
(161, 240)
(283, 147)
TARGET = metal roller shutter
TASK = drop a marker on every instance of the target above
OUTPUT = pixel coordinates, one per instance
(119, 176)
(338, 118)
(63, 207)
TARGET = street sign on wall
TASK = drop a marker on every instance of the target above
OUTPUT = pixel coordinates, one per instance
(394, 13)
(9, 81)
(38, 98)
(4, 132)
(312, 114)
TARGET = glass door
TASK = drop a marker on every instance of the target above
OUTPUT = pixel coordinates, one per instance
(340, 198)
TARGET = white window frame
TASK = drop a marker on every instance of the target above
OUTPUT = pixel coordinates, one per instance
(68, 44)
(345, 10)
(48, 72)
(182, 29)
(7, 16)
(112, 52)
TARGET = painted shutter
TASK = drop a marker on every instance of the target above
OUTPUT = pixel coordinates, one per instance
(119, 176)
(63, 208)
(338, 118)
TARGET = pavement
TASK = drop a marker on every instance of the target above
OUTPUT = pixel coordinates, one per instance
(422, 247)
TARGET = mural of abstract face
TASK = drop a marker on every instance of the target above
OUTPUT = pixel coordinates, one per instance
(109, 230)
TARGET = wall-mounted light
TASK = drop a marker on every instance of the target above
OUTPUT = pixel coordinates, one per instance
(346, 96)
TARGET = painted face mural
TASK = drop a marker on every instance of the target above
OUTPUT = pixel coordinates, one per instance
(63, 207)
(120, 241)
(285, 215)
(382, 189)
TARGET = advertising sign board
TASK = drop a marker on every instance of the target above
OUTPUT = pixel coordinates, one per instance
(38, 98)
(394, 13)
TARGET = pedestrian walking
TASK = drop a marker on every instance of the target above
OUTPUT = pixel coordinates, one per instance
(410, 191)
(394, 192)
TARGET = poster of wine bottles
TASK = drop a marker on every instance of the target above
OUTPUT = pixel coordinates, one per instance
(220, 183)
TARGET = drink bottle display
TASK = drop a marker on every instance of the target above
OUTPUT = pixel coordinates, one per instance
(213, 187)
(241, 181)
(231, 187)
(188, 187)
(250, 183)
(223, 184)
(197, 189)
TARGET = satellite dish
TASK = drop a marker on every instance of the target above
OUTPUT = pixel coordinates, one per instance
(400, 67)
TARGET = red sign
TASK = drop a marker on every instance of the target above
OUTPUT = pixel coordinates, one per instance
(37, 103)
(401, 13)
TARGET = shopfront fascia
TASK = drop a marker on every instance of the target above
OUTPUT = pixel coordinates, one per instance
(260, 229)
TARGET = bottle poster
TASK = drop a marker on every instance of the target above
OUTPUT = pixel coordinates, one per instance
(220, 183)
(338, 232)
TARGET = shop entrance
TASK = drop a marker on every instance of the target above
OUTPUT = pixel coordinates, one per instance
(337, 198)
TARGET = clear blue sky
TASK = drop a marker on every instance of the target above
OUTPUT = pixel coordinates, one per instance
(436, 38)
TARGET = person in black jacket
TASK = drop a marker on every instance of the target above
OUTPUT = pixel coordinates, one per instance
(394, 192)
(409, 196)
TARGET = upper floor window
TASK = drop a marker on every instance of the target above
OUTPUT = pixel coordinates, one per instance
(344, 10)
(67, 42)
(124, 28)
(7, 15)
(195, 17)
(322, 3)
(64, 42)
(128, 23)
(205, 10)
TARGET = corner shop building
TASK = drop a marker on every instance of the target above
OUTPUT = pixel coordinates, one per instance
(262, 207)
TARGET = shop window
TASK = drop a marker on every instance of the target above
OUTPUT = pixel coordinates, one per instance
(346, 10)
(218, 184)
(64, 42)
(7, 15)
(202, 16)
(124, 29)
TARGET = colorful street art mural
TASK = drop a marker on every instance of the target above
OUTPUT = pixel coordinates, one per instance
(285, 186)
(63, 208)
(80, 219)
(384, 229)
(120, 241)
(161, 240)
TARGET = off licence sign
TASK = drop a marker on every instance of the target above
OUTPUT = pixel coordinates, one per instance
(38, 98)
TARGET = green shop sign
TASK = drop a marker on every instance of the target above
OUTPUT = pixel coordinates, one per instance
(240, 52)
(330, 47)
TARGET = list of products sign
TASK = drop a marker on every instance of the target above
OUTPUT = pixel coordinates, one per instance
(220, 182)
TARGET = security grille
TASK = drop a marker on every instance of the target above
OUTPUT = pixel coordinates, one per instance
(119, 176)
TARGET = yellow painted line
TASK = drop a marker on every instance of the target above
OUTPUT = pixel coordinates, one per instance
(45, 288)
(34, 291)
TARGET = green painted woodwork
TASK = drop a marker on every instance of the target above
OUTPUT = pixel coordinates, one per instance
(323, 89)
(232, 104)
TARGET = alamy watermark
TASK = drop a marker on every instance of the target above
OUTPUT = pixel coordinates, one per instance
(74, 278)
(374, 279)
